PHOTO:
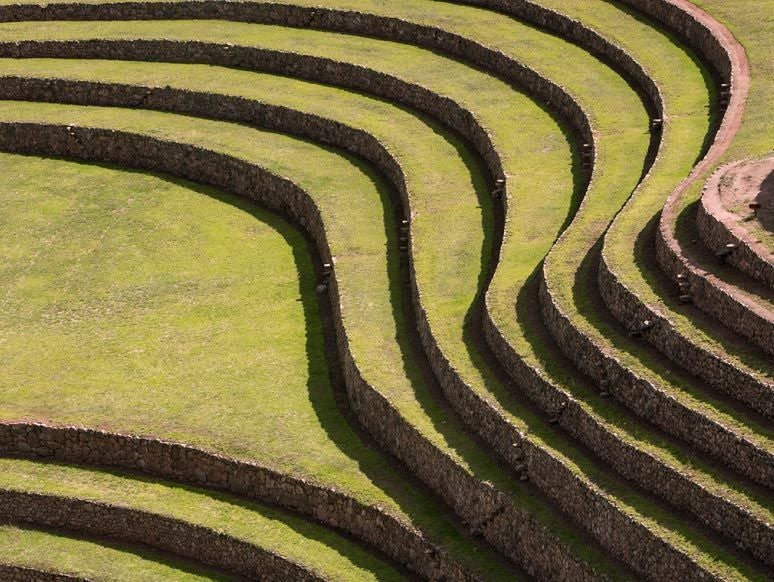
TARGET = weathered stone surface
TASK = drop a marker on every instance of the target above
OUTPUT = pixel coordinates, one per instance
(11, 573)
(189, 541)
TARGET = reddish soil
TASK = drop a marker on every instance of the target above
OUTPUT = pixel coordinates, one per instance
(738, 187)
(732, 121)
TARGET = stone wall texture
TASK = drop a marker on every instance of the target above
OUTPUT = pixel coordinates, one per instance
(651, 402)
(11, 573)
(509, 528)
(187, 464)
(405, 93)
(549, 473)
(606, 522)
(708, 292)
(755, 391)
(749, 256)
(183, 539)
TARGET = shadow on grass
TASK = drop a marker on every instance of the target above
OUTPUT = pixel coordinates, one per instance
(711, 77)
(362, 557)
(326, 393)
(146, 553)
(590, 306)
(666, 290)
(700, 255)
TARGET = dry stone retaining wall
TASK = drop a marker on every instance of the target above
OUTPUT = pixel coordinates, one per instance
(470, 129)
(749, 256)
(718, 49)
(719, 299)
(495, 422)
(627, 307)
(634, 463)
(723, 375)
(187, 464)
(430, 340)
(652, 403)
(189, 541)
(509, 528)
(11, 573)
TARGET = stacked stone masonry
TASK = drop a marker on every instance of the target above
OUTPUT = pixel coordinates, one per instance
(717, 229)
(509, 528)
(11, 573)
(723, 54)
(490, 154)
(711, 367)
(572, 497)
(187, 464)
(200, 544)
(575, 497)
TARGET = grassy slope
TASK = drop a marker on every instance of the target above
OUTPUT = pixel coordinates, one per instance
(219, 293)
(143, 73)
(620, 165)
(684, 138)
(58, 552)
(520, 327)
(114, 280)
(684, 86)
(426, 191)
(750, 22)
(316, 547)
(471, 82)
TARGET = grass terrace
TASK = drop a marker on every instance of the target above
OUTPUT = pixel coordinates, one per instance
(317, 548)
(146, 304)
(750, 23)
(53, 551)
(62, 218)
(364, 267)
(685, 87)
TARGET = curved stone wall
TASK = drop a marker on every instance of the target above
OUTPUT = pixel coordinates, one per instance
(509, 528)
(631, 462)
(11, 573)
(506, 432)
(655, 405)
(717, 228)
(754, 391)
(187, 464)
(192, 542)
(512, 453)
(726, 56)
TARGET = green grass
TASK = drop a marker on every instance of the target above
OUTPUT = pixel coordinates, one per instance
(687, 91)
(464, 258)
(313, 546)
(452, 304)
(138, 73)
(167, 269)
(453, 261)
(684, 86)
(750, 22)
(62, 553)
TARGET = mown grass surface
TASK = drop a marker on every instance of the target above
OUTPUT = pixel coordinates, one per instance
(143, 288)
(455, 304)
(688, 91)
(136, 72)
(95, 560)
(685, 87)
(314, 546)
(636, 135)
(750, 22)
(447, 195)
